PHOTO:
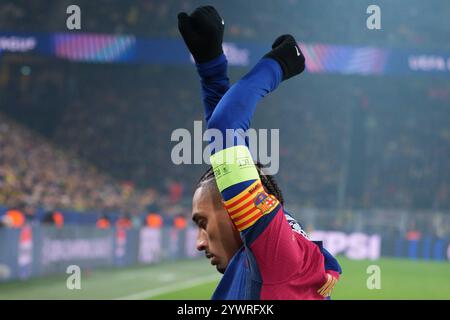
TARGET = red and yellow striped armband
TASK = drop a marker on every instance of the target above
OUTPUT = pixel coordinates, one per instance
(250, 205)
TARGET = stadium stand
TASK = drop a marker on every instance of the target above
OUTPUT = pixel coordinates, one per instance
(155, 18)
(87, 111)
(35, 173)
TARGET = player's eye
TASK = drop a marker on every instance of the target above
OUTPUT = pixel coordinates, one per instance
(202, 223)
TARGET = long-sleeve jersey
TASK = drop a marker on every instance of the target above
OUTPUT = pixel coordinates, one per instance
(275, 262)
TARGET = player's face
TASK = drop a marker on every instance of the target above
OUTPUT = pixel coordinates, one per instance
(217, 236)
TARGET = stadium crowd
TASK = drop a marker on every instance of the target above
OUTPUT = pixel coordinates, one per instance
(35, 173)
(133, 111)
(408, 23)
(100, 134)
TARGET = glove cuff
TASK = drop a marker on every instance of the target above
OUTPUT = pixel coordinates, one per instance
(215, 68)
(203, 56)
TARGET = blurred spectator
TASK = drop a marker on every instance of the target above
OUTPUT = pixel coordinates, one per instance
(103, 222)
(180, 222)
(124, 222)
(54, 218)
(154, 220)
(13, 218)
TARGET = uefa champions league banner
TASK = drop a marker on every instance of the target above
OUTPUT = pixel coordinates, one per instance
(17, 42)
(320, 58)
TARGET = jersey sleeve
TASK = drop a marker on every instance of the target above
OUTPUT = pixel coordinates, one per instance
(250, 205)
(214, 83)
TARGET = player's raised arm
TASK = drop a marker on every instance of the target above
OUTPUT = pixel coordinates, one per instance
(271, 249)
(280, 257)
(235, 111)
(202, 31)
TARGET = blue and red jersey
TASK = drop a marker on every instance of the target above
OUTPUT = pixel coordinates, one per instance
(276, 261)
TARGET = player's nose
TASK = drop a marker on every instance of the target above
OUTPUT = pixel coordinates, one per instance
(202, 243)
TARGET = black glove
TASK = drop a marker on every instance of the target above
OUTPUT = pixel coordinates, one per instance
(286, 52)
(202, 32)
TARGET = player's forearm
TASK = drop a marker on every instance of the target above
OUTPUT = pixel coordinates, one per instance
(214, 81)
(233, 165)
(235, 111)
(236, 108)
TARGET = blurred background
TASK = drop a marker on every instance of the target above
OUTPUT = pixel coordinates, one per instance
(86, 116)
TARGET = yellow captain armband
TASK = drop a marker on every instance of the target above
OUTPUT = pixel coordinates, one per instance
(233, 165)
